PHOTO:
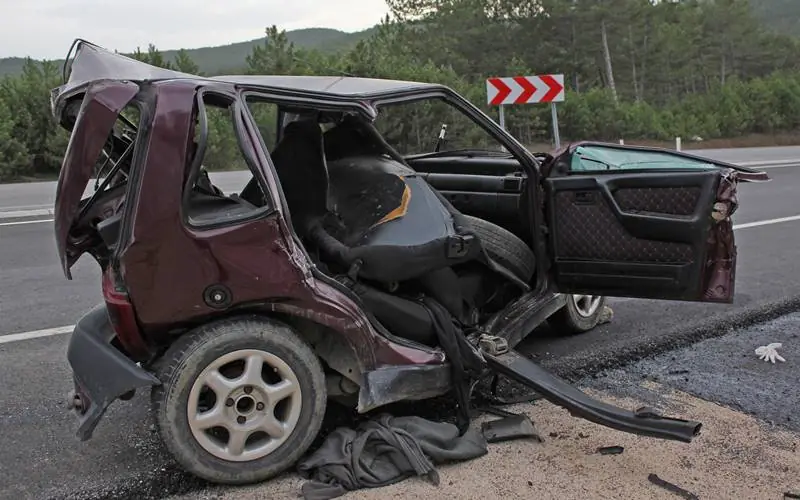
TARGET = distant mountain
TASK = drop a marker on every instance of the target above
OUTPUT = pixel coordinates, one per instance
(11, 65)
(781, 15)
(228, 58)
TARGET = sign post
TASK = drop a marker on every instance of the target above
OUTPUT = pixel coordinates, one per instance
(527, 90)
(556, 135)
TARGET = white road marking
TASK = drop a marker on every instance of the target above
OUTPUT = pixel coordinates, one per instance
(16, 337)
(20, 223)
(18, 214)
(24, 207)
(767, 167)
(767, 222)
(49, 332)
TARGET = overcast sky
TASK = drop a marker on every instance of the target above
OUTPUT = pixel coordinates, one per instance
(46, 28)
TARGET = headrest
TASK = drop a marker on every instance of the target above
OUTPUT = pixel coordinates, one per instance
(306, 128)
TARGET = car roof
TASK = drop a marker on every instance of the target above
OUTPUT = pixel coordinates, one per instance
(343, 86)
(94, 63)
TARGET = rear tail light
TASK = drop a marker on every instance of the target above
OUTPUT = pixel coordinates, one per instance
(122, 315)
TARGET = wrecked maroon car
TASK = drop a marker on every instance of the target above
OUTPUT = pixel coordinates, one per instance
(389, 242)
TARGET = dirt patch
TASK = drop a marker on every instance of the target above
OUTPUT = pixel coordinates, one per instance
(736, 456)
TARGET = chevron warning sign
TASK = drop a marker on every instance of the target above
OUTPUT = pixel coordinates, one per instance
(525, 89)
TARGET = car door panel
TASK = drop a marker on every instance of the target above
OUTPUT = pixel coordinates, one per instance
(634, 203)
(461, 164)
(645, 222)
(488, 188)
(636, 234)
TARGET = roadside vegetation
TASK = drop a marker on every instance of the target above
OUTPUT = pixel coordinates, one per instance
(643, 71)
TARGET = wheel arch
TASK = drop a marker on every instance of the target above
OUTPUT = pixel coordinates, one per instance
(328, 344)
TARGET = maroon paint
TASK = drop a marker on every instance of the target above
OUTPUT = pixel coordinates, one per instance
(167, 265)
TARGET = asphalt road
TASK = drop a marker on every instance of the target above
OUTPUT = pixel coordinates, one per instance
(725, 370)
(40, 458)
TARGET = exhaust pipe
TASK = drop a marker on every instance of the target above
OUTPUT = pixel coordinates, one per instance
(644, 422)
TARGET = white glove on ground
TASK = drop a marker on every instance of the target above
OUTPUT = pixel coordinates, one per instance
(770, 353)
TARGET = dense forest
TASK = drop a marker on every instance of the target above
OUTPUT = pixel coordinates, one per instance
(635, 69)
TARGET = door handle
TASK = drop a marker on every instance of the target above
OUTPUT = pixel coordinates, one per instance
(585, 197)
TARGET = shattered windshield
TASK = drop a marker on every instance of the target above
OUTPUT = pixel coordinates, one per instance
(433, 126)
(593, 158)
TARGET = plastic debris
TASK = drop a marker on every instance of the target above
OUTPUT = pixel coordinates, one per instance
(688, 495)
(770, 352)
(610, 450)
(509, 427)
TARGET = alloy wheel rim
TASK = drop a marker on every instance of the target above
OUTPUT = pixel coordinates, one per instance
(586, 305)
(244, 405)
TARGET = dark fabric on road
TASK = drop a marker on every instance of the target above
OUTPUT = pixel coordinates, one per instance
(385, 451)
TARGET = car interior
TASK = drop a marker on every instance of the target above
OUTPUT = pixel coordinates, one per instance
(392, 233)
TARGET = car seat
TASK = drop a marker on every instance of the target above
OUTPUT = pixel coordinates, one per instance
(415, 230)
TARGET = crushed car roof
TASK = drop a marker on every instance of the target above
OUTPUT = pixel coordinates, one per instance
(94, 63)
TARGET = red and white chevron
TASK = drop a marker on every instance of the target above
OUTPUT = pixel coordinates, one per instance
(525, 89)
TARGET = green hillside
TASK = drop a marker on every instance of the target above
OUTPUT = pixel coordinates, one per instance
(780, 15)
(11, 65)
(227, 58)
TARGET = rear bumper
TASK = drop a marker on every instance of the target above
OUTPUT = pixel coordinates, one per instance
(101, 372)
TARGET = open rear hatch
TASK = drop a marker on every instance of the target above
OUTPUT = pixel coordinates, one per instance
(98, 86)
(92, 131)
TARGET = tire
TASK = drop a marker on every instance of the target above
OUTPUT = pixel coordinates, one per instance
(578, 316)
(504, 247)
(252, 338)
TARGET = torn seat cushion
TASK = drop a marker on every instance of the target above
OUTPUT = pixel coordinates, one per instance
(364, 197)
(394, 225)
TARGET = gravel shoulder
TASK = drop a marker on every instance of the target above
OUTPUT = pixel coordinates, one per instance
(749, 446)
(736, 456)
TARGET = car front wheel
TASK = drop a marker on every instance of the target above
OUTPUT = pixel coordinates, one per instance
(241, 400)
(580, 314)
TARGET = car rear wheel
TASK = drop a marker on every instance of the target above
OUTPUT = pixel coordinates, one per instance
(580, 314)
(241, 400)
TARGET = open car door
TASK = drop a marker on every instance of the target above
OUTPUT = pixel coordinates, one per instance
(631, 221)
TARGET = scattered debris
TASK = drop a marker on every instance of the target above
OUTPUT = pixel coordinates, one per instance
(385, 451)
(678, 372)
(494, 399)
(510, 427)
(688, 495)
(647, 412)
(610, 450)
(606, 316)
(794, 495)
(769, 352)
